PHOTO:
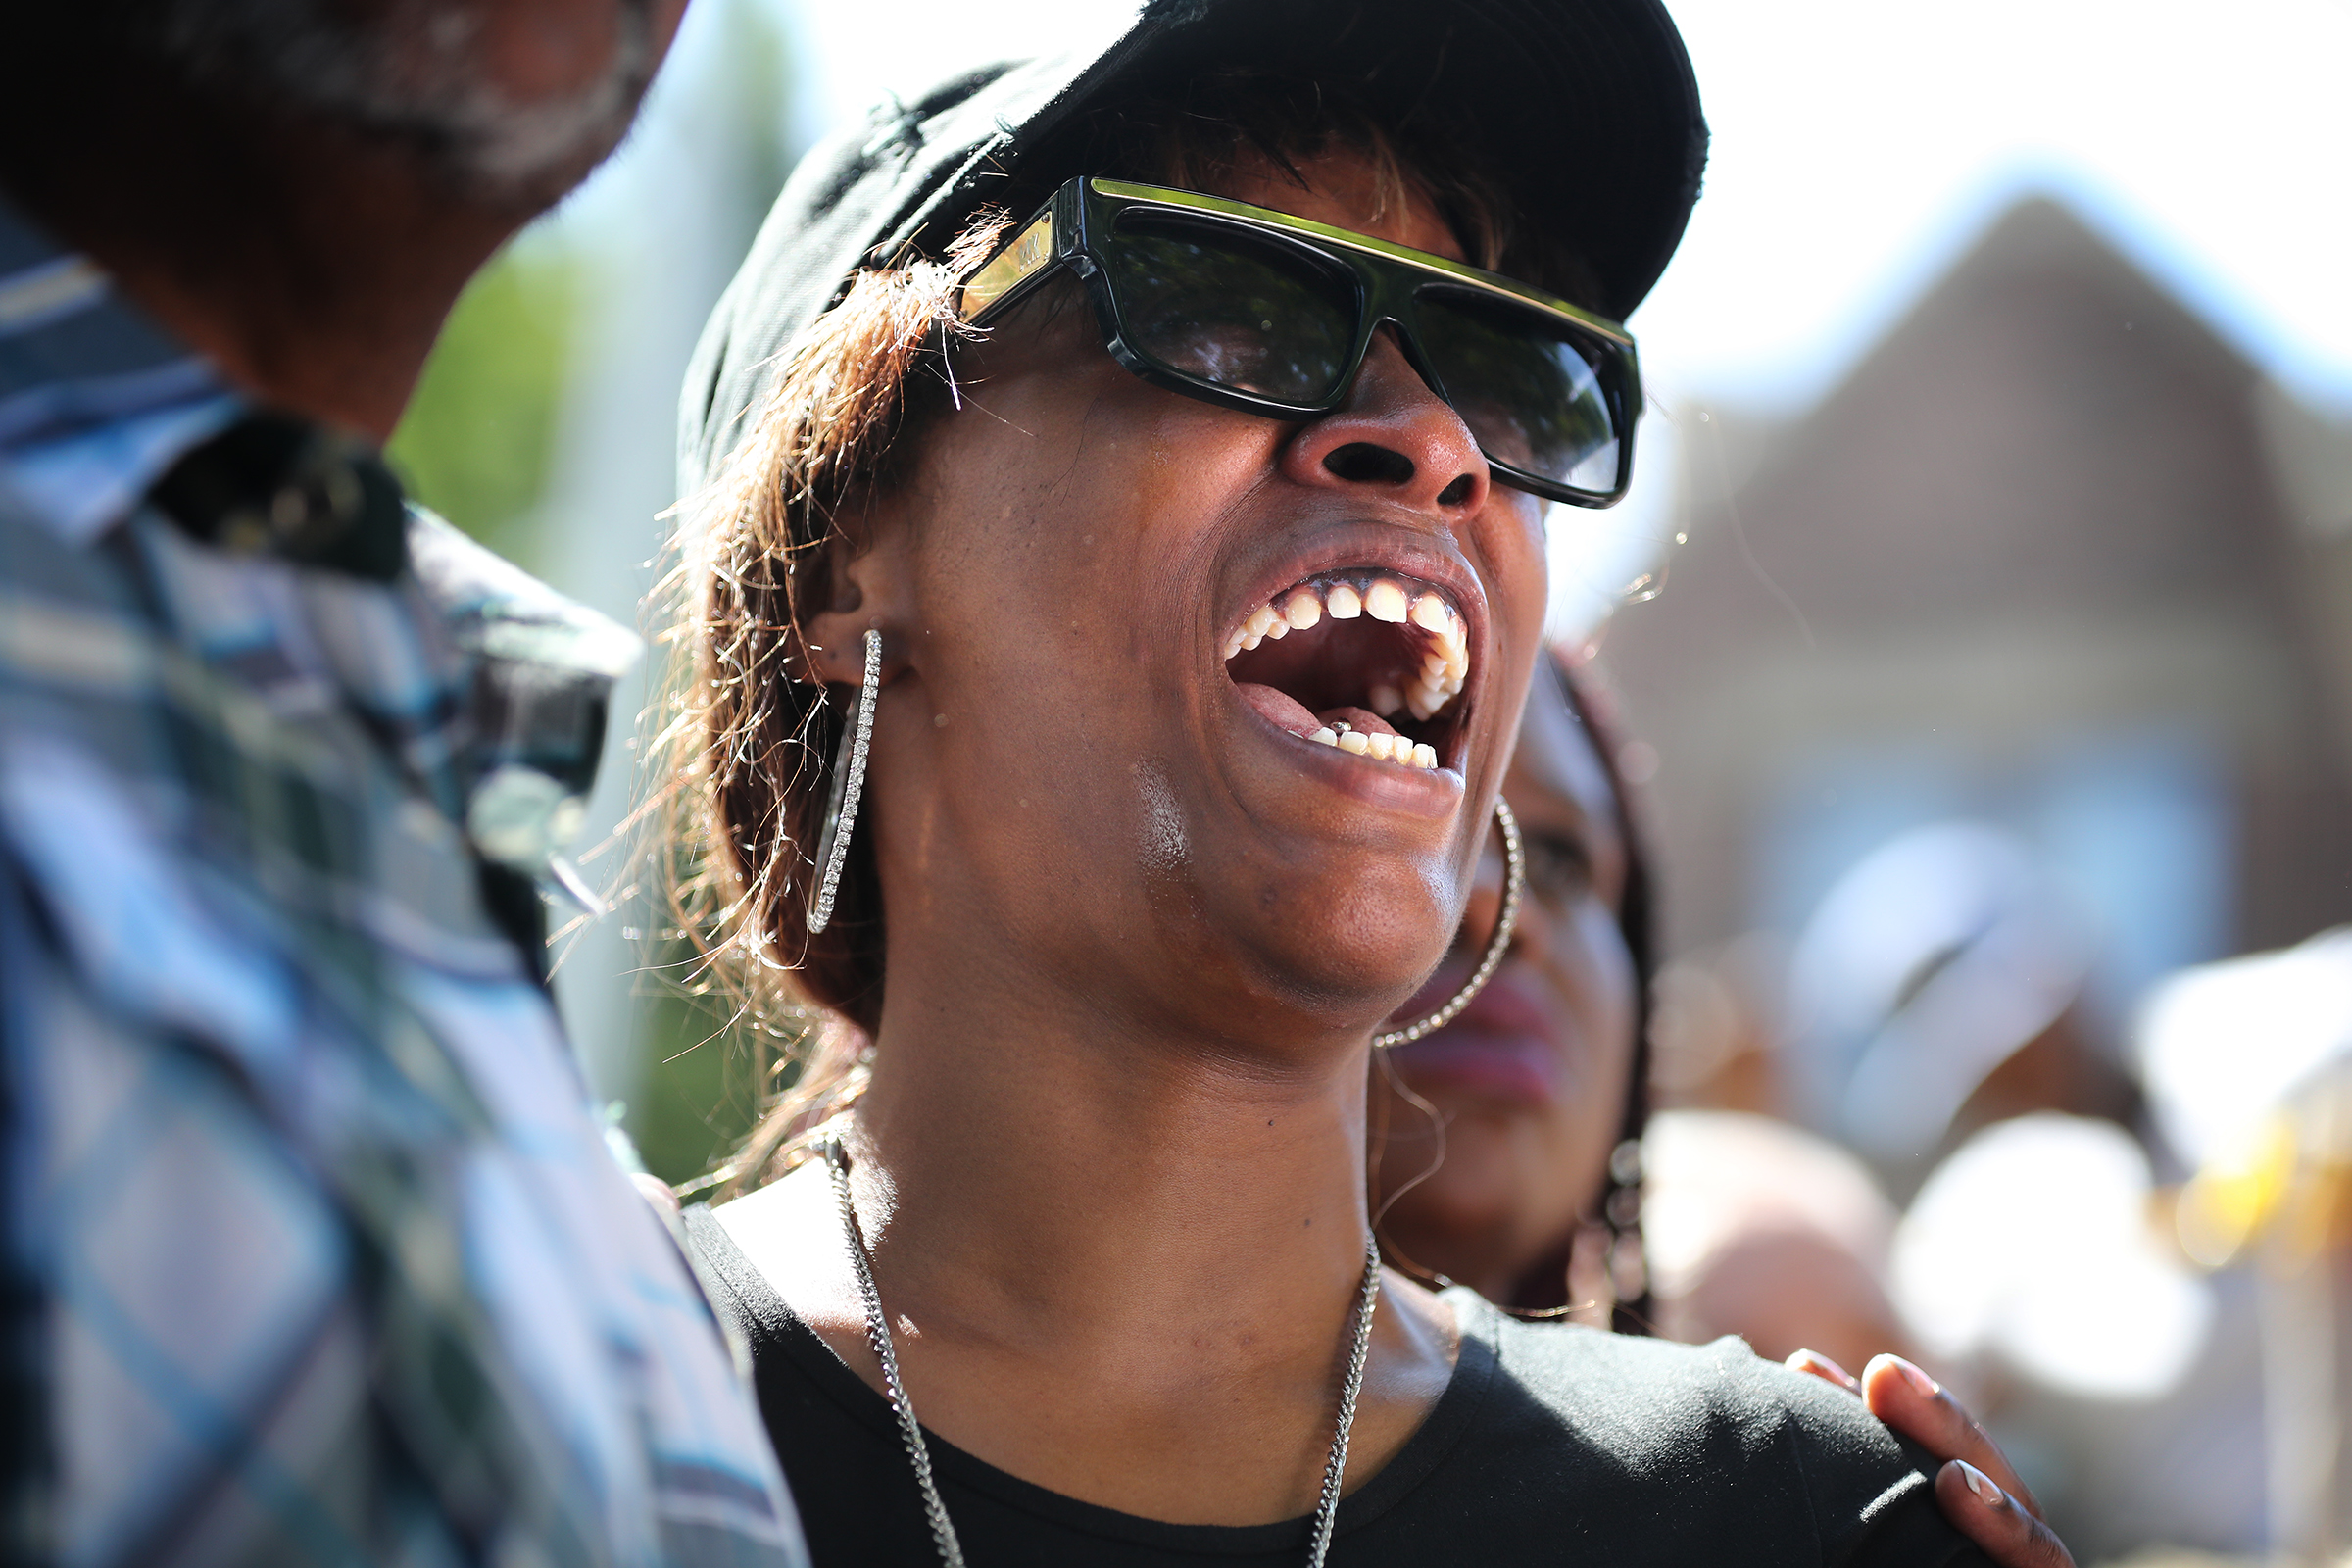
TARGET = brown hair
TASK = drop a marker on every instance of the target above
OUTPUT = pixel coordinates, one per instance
(751, 737)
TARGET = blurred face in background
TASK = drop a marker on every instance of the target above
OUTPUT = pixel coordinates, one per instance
(507, 102)
(1531, 1081)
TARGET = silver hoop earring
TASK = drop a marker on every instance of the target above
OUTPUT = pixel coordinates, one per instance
(1514, 880)
(849, 786)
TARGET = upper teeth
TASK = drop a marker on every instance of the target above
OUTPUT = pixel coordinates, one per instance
(1425, 690)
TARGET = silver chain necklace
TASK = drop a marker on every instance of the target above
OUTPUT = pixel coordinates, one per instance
(910, 1432)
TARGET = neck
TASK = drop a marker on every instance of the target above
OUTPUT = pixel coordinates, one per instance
(1065, 1182)
(1120, 1252)
(311, 266)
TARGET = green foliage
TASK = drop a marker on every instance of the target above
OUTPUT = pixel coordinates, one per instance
(477, 444)
(481, 442)
(703, 1086)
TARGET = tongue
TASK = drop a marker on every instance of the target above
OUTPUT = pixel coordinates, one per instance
(1282, 709)
(1292, 714)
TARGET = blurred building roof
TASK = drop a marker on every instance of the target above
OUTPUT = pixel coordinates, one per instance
(2051, 504)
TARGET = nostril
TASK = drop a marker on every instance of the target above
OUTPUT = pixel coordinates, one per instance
(1455, 494)
(1363, 462)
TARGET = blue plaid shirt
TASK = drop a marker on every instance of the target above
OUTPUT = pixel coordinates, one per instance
(313, 1247)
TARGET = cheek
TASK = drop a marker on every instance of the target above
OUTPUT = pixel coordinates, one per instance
(543, 51)
(662, 21)
(1068, 521)
(1593, 973)
(1074, 466)
(1511, 546)
(1616, 1016)
(1507, 545)
(1064, 530)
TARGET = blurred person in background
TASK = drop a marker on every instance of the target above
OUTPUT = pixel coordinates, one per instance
(1939, 1024)
(1757, 1228)
(1509, 1141)
(1518, 1150)
(2248, 1069)
(1936, 991)
(1715, 1041)
(313, 1250)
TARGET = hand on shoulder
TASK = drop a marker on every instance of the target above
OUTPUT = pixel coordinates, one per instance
(1978, 1489)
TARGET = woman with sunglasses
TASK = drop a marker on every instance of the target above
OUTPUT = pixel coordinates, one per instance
(1111, 627)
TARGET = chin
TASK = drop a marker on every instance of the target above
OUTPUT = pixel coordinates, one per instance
(1341, 929)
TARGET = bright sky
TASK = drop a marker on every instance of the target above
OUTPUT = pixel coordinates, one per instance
(1860, 147)
(1861, 144)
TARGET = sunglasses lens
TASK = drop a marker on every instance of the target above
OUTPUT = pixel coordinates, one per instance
(1211, 301)
(1534, 390)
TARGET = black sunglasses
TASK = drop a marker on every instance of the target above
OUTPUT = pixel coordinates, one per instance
(1259, 310)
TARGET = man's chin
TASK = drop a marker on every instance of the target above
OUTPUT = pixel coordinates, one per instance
(523, 169)
(378, 80)
(492, 152)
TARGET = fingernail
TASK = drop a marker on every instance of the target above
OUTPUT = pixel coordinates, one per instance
(1814, 1360)
(1919, 1379)
(1987, 1493)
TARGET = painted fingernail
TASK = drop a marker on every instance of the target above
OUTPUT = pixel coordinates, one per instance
(1987, 1493)
(1916, 1378)
(1815, 1361)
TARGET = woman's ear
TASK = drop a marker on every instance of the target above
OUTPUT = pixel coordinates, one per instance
(864, 587)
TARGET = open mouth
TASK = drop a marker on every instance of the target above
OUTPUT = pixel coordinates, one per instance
(1369, 661)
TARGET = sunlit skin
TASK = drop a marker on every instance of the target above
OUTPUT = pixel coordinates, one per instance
(1531, 1081)
(1112, 1158)
(313, 264)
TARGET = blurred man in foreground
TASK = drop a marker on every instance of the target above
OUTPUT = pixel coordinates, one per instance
(314, 1251)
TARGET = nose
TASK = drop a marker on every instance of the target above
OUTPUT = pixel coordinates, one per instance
(1395, 438)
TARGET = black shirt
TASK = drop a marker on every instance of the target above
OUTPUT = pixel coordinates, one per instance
(1552, 1444)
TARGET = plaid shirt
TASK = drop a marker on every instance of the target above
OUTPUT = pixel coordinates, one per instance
(314, 1249)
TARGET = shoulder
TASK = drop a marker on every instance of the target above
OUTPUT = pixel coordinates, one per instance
(1643, 1382)
(1713, 1441)
(778, 1252)
(492, 606)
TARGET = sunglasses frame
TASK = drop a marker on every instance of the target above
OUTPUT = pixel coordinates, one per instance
(1389, 278)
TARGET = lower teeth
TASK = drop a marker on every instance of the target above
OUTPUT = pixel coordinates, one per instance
(1380, 747)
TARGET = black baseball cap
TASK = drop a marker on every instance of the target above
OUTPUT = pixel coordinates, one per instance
(1585, 111)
